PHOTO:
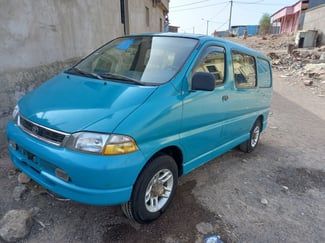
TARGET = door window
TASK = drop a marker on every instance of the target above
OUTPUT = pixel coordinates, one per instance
(212, 61)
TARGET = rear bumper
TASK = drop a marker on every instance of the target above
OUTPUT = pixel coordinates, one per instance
(93, 179)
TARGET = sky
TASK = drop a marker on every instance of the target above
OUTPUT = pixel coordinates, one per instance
(198, 16)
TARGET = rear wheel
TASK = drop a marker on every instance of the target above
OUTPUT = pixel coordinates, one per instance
(153, 191)
(249, 145)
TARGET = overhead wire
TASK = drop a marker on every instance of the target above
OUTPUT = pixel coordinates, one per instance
(184, 7)
(197, 7)
(187, 4)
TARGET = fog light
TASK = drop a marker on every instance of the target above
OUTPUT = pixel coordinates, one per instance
(13, 145)
(61, 174)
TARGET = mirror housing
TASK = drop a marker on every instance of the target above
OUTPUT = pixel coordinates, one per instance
(203, 81)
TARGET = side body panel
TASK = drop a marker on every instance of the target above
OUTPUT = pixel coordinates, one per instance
(215, 122)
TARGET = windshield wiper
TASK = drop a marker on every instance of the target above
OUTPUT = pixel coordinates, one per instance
(120, 77)
(87, 74)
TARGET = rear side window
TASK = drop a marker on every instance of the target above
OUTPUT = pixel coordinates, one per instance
(244, 70)
(263, 73)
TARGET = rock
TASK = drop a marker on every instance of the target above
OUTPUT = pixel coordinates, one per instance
(34, 211)
(11, 173)
(308, 82)
(204, 228)
(290, 48)
(15, 225)
(264, 201)
(18, 192)
(285, 188)
(315, 56)
(23, 178)
(322, 57)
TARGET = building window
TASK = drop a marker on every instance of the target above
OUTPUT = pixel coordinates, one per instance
(161, 25)
(147, 17)
(122, 11)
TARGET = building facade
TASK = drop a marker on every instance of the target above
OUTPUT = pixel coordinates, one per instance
(290, 19)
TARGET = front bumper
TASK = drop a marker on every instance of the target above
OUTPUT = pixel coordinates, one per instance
(93, 179)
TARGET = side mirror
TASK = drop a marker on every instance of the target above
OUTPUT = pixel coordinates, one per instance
(203, 81)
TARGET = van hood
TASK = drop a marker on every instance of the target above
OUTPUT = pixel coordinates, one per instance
(71, 103)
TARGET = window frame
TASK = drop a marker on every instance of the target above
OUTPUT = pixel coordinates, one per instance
(255, 69)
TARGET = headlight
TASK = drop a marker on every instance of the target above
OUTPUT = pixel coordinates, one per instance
(15, 113)
(106, 144)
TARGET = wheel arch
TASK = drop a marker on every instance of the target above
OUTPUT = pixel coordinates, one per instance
(175, 153)
(261, 119)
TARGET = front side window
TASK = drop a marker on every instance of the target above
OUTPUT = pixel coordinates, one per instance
(141, 59)
(213, 62)
(244, 70)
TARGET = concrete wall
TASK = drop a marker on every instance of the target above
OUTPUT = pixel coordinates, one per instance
(315, 19)
(37, 32)
(40, 38)
(137, 16)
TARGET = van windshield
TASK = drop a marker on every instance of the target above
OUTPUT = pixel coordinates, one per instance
(145, 60)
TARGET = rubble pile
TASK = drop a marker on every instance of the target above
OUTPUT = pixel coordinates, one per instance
(306, 66)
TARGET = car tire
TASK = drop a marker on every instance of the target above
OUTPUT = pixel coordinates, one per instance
(153, 190)
(249, 145)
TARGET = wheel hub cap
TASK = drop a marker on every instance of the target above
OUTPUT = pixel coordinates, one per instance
(158, 190)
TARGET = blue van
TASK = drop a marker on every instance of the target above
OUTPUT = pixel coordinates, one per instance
(124, 123)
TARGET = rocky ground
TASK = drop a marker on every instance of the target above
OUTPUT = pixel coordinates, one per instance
(275, 194)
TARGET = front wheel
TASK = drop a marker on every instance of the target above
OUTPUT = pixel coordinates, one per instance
(249, 145)
(153, 190)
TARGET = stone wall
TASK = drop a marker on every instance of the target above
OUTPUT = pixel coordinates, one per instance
(315, 19)
(38, 32)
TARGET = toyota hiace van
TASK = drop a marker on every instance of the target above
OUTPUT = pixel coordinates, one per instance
(124, 123)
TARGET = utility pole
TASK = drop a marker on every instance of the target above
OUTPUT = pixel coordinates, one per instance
(229, 27)
(207, 31)
(207, 27)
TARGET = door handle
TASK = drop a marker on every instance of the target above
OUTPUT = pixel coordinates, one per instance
(225, 97)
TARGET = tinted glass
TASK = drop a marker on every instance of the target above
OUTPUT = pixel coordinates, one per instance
(263, 73)
(244, 70)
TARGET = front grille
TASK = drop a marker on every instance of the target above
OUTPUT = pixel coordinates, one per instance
(41, 132)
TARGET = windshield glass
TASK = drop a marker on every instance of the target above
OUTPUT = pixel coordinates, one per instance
(140, 59)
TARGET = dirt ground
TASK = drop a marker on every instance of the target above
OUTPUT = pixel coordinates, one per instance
(275, 194)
